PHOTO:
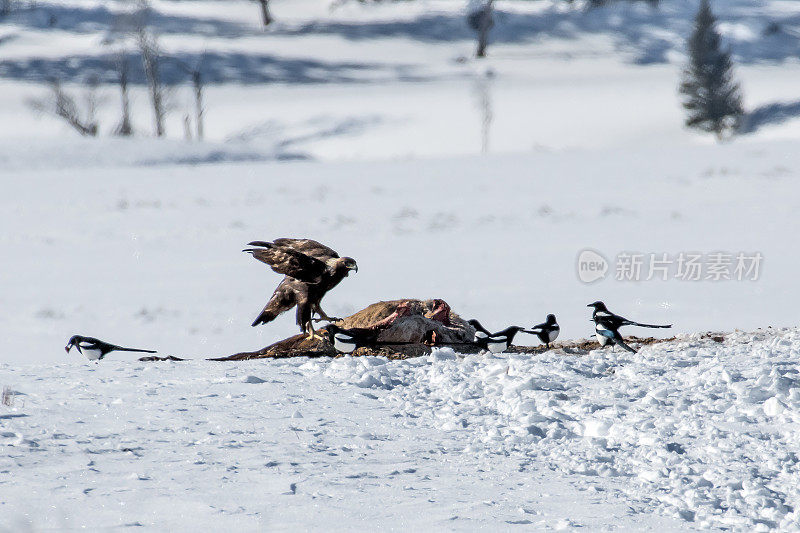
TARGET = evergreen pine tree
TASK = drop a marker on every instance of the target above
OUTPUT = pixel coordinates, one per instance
(711, 96)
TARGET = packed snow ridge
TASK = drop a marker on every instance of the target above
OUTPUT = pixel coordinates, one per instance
(700, 430)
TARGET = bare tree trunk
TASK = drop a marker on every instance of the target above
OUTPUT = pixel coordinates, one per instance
(5, 7)
(187, 127)
(151, 59)
(91, 103)
(484, 94)
(125, 128)
(197, 81)
(266, 17)
(484, 25)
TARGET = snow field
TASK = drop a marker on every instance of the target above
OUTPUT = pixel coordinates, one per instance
(137, 242)
(698, 430)
(279, 446)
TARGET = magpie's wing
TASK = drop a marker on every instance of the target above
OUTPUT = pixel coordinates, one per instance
(289, 262)
(308, 247)
(610, 321)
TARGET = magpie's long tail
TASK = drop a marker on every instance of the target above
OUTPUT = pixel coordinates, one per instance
(121, 349)
(622, 343)
(649, 325)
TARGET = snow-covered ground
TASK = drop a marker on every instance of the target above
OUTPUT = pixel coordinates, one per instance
(685, 434)
(370, 128)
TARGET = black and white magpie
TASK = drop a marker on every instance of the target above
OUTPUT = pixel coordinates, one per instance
(494, 342)
(607, 324)
(95, 349)
(546, 331)
(347, 340)
(605, 335)
(507, 335)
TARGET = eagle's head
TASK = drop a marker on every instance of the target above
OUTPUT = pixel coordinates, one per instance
(349, 264)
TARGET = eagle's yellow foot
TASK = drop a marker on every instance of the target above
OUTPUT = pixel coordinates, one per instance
(311, 335)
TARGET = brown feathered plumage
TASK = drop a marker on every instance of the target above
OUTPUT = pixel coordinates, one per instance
(310, 270)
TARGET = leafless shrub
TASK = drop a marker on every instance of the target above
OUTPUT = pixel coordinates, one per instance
(151, 60)
(196, 74)
(63, 105)
(147, 43)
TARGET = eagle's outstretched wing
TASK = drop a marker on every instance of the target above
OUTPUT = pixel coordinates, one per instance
(309, 247)
(284, 298)
(289, 262)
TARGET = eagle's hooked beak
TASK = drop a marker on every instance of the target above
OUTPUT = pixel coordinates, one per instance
(67, 347)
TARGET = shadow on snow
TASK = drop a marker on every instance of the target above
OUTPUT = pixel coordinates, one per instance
(217, 67)
(645, 35)
(101, 19)
(770, 114)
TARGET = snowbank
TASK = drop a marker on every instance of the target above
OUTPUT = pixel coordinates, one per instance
(699, 430)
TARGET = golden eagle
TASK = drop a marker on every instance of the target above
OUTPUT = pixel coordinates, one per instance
(310, 269)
